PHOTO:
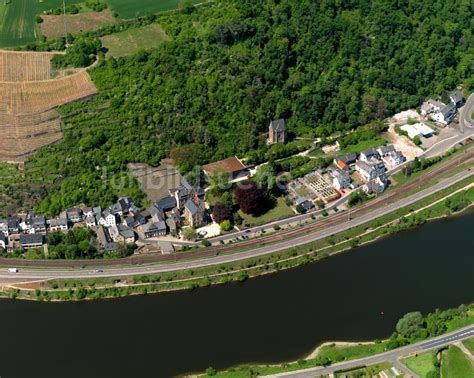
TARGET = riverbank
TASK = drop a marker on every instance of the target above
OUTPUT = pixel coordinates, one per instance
(266, 320)
(332, 352)
(450, 201)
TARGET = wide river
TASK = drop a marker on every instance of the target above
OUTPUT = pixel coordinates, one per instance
(269, 319)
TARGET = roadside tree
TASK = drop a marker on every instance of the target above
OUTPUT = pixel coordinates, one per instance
(411, 325)
(189, 234)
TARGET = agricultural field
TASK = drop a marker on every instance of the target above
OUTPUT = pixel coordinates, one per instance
(18, 19)
(17, 23)
(127, 9)
(28, 101)
(134, 40)
(56, 26)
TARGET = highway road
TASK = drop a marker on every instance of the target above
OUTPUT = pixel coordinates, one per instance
(310, 236)
(465, 118)
(390, 356)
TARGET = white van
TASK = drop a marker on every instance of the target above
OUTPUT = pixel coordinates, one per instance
(13, 270)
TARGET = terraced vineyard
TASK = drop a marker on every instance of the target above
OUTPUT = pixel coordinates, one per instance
(28, 101)
(35, 97)
(25, 66)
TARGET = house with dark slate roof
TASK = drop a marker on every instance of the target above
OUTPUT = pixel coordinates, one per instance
(182, 193)
(457, 99)
(348, 159)
(368, 154)
(194, 214)
(385, 150)
(167, 203)
(446, 114)
(31, 240)
(153, 229)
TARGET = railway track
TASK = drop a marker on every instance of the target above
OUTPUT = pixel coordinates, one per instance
(386, 199)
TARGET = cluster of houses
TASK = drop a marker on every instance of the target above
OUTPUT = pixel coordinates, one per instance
(441, 112)
(121, 223)
(349, 171)
(371, 165)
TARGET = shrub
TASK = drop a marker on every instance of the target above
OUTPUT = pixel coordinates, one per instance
(226, 226)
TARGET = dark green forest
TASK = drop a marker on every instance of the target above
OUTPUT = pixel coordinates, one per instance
(325, 66)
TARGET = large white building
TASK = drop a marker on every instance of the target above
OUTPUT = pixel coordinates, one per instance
(418, 130)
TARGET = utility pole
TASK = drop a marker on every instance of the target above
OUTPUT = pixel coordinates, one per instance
(65, 22)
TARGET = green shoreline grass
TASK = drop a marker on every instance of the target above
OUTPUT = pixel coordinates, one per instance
(330, 353)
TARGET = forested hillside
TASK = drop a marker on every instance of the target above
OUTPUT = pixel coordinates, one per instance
(230, 67)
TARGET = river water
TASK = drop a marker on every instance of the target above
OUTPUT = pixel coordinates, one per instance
(267, 319)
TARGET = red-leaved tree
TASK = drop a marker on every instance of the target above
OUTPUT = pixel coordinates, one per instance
(250, 198)
(220, 212)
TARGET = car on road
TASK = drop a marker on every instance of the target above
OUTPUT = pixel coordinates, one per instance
(99, 270)
(13, 270)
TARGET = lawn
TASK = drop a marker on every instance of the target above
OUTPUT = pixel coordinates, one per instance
(456, 364)
(422, 364)
(469, 344)
(363, 145)
(280, 211)
(133, 40)
(127, 9)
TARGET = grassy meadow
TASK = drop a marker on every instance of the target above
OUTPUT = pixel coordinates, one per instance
(133, 40)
